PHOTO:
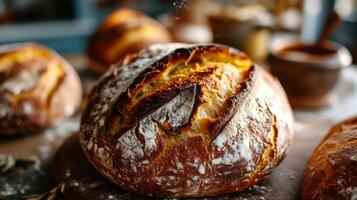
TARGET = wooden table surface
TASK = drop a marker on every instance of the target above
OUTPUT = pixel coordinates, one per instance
(283, 183)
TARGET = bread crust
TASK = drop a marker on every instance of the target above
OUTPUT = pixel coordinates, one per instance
(37, 88)
(332, 170)
(183, 120)
(103, 50)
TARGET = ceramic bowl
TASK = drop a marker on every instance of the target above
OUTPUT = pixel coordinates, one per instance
(308, 72)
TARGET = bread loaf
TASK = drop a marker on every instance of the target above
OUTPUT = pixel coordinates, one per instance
(182, 120)
(37, 88)
(332, 170)
(123, 32)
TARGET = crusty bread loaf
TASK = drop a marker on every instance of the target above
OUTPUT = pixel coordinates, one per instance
(37, 87)
(123, 32)
(186, 120)
(332, 170)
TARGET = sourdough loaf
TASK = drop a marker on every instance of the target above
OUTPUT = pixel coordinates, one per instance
(183, 120)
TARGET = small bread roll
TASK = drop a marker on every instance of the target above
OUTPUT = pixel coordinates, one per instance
(123, 32)
(332, 170)
(37, 88)
(183, 120)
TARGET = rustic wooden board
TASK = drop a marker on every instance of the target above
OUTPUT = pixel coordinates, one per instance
(283, 183)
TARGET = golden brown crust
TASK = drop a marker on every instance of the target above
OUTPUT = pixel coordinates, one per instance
(332, 170)
(123, 32)
(37, 88)
(186, 120)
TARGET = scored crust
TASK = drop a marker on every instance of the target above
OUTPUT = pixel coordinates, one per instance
(332, 170)
(37, 88)
(186, 120)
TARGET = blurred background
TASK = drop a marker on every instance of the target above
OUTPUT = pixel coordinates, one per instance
(306, 44)
(65, 25)
(316, 39)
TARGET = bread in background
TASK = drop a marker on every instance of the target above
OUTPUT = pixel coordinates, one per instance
(123, 32)
(37, 88)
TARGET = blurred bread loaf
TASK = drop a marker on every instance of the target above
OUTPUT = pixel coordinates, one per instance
(332, 170)
(37, 88)
(123, 32)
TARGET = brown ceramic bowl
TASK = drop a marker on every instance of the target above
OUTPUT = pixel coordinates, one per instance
(307, 72)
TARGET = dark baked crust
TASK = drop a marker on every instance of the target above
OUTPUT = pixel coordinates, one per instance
(123, 32)
(79, 180)
(186, 120)
(37, 88)
(332, 170)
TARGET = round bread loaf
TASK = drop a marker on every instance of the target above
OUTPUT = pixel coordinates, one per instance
(123, 32)
(37, 88)
(183, 120)
(332, 170)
